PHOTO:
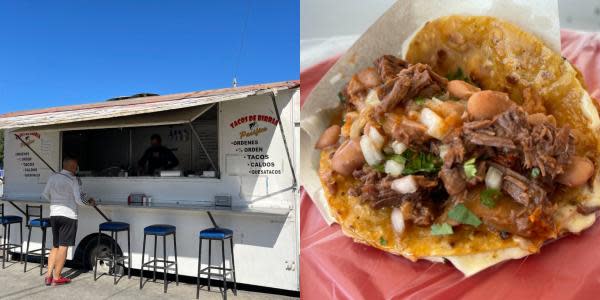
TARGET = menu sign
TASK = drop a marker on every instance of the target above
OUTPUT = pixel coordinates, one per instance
(252, 136)
(22, 162)
(24, 157)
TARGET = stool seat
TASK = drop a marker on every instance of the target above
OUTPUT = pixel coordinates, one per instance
(114, 226)
(10, 219)
(42, 222)
(159, 229)
(216, 233)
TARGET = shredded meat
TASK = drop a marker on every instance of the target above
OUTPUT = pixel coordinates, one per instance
(483, 139)
(456, 149)
(410, 132)
(420, 212)
(454, 181)
(521, 189)
(388, 67)
(375, 189)
(417, 79)
(541, 145)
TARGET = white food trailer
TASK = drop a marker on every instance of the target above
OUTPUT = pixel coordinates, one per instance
(237, 150)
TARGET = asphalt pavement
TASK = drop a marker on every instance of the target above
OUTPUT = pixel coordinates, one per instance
(14, 284)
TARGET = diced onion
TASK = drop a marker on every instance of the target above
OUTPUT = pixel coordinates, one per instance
(399, 147)
(493, 178)
(372, 155)
(387, 149)
(393, 167)
(405, 185)
(397, 220)
(372, 98)
(436, 100)
(443, 151)
(433, 122)
(376, 137)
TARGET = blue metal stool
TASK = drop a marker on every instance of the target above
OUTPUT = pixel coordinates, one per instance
(6, 246)
(160, 230)
(39, 222)
(218, 234)
(114, 228)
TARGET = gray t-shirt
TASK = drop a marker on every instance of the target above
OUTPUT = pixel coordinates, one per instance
(63, 190)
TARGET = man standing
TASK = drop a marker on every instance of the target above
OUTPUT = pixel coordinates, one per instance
(63, 190)
(158, 157)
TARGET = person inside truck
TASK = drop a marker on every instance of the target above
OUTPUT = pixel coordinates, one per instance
(63, 190)
(157, 157)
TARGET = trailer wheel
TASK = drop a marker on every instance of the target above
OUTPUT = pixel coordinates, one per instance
(104, 248)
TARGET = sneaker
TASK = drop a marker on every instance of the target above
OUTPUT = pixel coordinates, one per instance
(61, 281)
(48, 281)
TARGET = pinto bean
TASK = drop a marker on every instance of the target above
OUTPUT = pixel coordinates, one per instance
(461, 89)
(348, 157)
(329, 137)
(487, 104)
(578, 172)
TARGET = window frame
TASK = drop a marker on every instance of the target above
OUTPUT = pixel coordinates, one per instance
(217, 163)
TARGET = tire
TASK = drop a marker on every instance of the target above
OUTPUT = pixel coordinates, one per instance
(104, 248)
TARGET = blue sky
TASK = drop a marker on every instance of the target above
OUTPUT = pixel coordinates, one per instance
(60, 52)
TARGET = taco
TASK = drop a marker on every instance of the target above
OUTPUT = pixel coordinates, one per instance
(480, 146)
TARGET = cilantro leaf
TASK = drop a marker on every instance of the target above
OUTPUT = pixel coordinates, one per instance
(397, 158)
(535, 172)
(463, 215)
(382, 241)
(419, 100)
(379, 168)
(470, 169)
(488, 197)
(420, 162)
(441, 229)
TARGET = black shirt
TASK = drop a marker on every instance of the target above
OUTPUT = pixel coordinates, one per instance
(158, 157)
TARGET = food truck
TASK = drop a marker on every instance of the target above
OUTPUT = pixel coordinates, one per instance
(237, 149)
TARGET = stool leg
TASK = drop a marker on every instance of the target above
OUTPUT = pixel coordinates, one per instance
(8, 251)
(21, 245)
(43, 250)
(233, 268)
(27, 250)
(199, 268)
(175, 249)
(224, 273)
(114, 256)
(142, 268)
(128, 254)
(96, 255)
(209, 262)
(154, 274)
(165, 261)
(4, 246)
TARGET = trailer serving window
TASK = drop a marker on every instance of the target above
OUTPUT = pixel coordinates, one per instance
(187, 149)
